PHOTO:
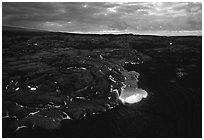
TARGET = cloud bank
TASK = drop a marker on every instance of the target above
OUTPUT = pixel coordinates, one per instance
(101, 17)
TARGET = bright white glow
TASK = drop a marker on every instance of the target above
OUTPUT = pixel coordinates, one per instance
(134, 98)
(33, 113)
(17, 88)
(133, 63)
(101, 57)
(132, 95)
(33, 88)
(80, 98)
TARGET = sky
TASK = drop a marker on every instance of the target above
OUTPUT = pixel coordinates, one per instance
(161, 18)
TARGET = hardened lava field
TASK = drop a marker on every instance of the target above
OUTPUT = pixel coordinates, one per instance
(74, 85)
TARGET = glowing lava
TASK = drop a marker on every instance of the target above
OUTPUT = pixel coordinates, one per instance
(130, 93)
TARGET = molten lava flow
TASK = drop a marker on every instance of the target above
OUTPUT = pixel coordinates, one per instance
(130, 93)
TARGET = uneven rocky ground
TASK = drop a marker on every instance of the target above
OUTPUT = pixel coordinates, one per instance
(61, 86)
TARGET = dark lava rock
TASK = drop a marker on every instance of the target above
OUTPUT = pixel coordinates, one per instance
(54, 88)
(67, 85)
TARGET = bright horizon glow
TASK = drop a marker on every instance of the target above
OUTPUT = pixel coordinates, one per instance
(157, 33)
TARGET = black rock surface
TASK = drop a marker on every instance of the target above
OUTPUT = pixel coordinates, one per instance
(60, 86)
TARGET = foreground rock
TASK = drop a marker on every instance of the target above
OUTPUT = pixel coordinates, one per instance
(42, 89)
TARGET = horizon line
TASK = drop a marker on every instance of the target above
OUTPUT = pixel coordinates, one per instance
(179, 33)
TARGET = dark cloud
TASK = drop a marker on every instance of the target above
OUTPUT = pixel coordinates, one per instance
(103, 17)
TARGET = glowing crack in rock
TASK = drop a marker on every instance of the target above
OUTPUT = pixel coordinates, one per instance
(80, 98)
(112, 79)
(32, 88)
(114, 90)
(33, 113)
(17, 88)
(7, 115)
(130, 93)
(101, 57)
(20, 127)
(66, 117)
